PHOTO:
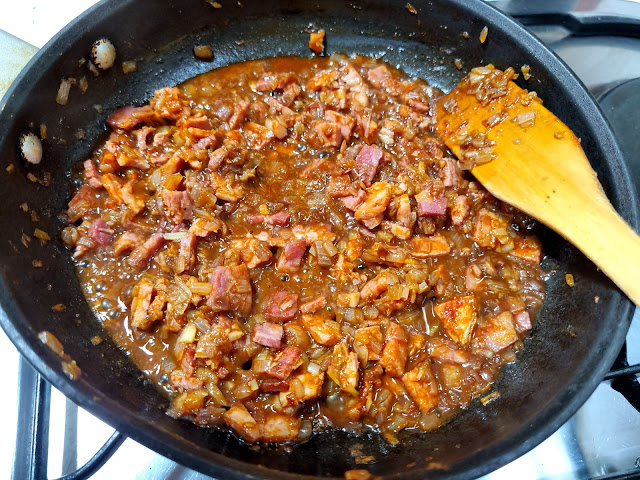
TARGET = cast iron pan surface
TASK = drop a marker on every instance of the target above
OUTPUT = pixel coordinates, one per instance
(571, 347)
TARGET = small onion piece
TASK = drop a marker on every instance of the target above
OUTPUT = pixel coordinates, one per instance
(203, 52)
(31, 148)
(63, 90)
(103, 54)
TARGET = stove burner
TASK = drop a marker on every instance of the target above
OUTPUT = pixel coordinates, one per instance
(621, 106)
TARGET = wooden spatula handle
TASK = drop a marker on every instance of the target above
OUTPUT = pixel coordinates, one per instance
(610, 243)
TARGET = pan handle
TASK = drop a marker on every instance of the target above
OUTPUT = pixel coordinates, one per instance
(579, 18)
(32, 439)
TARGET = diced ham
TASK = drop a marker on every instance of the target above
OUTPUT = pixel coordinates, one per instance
(396, 350)
(188, 362)
(445, 351)
(160, 138)
(528, 249)
(187, 254)
(178, 206)
(429, 247)
(168, 103)
(254, 253)
(183, 382)
(239, 418)
(217, 157)
(472, 278)
(268, 335)
(323, 330)
(344, 368)
(417, 101)
(352, 202)
(326, 134)
(373, 208)
(381, 77)
(429, 206)
(83, 245)
(239, 114)
(231, 290)
(340, 186)
(313, 233)
(274, 385)
(284, 363)
(198, 121)
(275, 82)
(422, 386)
(280, 219)
(257, 136)
(92, 174)
(495, 333)
(458, 317)
(291, 256)
(460, 210)
(142, 294)
(367, 163)
(144, 252)
(133, 200)
(378, 285)
(126, 243)
(345, 122)
(280, 428)
(203, 228)
(205, 142)
(81, 204)
(368, 343)
(522, 321)
(291, 92)
(313, 305)
(450, 173)
(142, 135)
(281, 306)
(128, 117)
(100, 232)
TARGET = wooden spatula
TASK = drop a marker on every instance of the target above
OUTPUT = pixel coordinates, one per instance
(539, 167)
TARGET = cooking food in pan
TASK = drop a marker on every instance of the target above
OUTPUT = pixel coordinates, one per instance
(284, 246)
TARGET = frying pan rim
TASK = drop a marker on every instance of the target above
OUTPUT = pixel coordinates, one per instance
(238, 469)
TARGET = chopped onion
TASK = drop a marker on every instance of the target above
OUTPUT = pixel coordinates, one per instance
(203, 52)
(188, 334)
(129, 66)
(63, 91)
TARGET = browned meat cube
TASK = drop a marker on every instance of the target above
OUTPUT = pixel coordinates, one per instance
(422, 386)
(428, 247)
(281, 306)
(395, 351)
(495, 333)
(323, 330)
(231, 290)
(280, 428)
(458, 317)
(285, 362)
(527, 248)
(239, 418)
(367, 342)
(344, 368)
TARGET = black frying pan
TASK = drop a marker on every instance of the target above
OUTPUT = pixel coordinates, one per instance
(571, 347)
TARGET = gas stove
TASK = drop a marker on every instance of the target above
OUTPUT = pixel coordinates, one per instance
(47, 436)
